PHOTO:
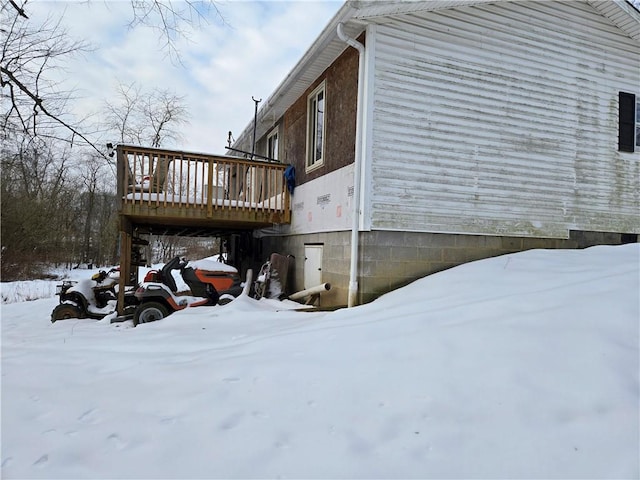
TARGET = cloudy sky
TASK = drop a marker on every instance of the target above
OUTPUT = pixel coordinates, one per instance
(223, 63)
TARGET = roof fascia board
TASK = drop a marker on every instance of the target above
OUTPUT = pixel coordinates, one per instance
(372, 10)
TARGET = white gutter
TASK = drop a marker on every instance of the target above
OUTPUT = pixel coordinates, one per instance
(353, 272)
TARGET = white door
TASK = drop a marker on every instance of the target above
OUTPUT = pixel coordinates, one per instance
(312, 265)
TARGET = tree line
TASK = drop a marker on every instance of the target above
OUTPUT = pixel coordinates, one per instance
(57, 182)
(56, 209)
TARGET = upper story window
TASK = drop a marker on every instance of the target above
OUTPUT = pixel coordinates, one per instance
(316, 119)
(628, 122)
(272, 144)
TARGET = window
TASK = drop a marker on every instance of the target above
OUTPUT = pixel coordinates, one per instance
(316, 127)
(628, 122)
(272, 144)
(637, 122)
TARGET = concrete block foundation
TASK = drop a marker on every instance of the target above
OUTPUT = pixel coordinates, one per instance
(389, 260)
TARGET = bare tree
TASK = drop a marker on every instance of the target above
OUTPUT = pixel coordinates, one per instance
(164, 111)
(120, 114)
(166, 247)
(48, 214)
(145, 118)
(36, 197)
(34, 104)
(90, 175)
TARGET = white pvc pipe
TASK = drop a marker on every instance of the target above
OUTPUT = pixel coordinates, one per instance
(310, 291)
(247, 283)
(353, 269)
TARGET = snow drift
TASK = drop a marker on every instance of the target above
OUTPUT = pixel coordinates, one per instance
(520, 366)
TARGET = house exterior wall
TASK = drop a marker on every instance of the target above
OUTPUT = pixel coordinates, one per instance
(493, 130)
(341, 84)
(501, 119)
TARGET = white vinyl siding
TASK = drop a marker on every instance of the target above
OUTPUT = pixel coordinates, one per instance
(501, 119)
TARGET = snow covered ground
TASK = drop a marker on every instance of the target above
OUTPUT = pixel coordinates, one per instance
(520, 366)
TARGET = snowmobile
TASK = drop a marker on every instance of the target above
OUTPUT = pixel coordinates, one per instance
(203, 282)
(93, 298)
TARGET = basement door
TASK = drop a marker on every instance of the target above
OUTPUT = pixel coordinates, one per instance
(312, 265)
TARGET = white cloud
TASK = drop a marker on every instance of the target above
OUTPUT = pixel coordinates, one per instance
(223, 64)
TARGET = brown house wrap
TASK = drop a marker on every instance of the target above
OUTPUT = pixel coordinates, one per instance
(341, 89)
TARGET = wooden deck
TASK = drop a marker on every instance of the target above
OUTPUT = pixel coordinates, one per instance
(168, 191)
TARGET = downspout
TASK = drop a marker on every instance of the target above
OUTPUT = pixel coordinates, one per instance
(353, 271)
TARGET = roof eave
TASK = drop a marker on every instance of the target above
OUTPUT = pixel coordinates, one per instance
(355, 15)
(323, 52)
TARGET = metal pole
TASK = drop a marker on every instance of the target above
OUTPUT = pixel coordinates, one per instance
(255, 124)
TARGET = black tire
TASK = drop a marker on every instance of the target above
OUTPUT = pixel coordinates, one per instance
(225, 299)
(65, 311)
(150, 312)
(130, 310)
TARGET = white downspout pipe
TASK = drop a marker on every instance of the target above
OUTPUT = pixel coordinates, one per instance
(353, 272)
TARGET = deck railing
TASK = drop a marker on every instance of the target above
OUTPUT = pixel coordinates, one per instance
(167, 178)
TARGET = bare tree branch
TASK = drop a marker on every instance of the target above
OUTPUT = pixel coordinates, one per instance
(27, 54)
(20, 10)
(171, 19)
(38, 105)
(35, 106)
(148, 118)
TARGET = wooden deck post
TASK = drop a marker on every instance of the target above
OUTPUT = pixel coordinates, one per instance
(120, 176)
(125, 261)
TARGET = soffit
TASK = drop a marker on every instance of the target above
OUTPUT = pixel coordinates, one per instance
(622, 14)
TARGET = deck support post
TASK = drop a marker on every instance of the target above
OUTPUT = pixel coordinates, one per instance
(125, 261)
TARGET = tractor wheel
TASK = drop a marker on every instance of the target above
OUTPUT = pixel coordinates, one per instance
(129, 310)
(64, 311)
(225, 298)
(150, 312)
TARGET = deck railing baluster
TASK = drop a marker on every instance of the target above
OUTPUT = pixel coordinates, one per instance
(156, 182)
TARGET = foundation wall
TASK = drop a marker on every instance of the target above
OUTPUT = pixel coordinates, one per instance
(389, 260)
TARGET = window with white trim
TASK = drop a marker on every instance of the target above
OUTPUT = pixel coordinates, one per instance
(628, 122)
(272, 144)
(316, 120)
